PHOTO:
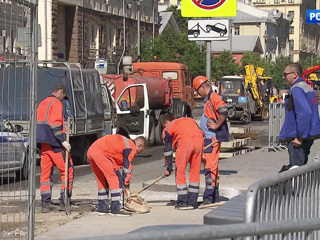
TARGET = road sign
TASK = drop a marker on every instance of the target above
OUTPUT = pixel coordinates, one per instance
(208, 30)
(208, 8)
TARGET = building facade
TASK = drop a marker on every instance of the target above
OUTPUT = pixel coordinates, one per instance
(164, 4)
(303, 38)
(84, 31)
(272, 28)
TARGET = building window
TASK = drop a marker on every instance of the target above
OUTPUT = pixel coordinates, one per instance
(237, 31)
(291, 1)
(291, 29)
(291, 44)
(276, 1)
(291, 14)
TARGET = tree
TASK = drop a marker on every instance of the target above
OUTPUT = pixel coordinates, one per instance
(255, 59)
(223, 65)
(172, 47)
(277, 69)
(182, 21)
(307, 62)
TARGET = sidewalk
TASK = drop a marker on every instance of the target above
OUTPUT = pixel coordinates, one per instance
(236, 174)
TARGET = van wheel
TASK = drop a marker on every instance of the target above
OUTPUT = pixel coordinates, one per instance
(151, 137)
(83, 159)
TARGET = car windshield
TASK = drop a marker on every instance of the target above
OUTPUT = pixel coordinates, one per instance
(220, 26)
(231, 87)
(5, 125)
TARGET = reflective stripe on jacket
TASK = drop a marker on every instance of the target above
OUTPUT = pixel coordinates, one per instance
(220, 107)
(301, 114)
(120, 150)
(50, 123)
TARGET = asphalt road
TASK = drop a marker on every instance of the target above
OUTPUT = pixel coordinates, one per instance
(150, 155)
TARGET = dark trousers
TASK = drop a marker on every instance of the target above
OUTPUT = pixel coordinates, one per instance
(299, 155)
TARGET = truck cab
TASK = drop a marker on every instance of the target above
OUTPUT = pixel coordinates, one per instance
(181, 82)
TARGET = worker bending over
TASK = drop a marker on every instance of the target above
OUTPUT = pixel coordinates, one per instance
(213, 124)
(186, 137)
(110, 158)
(51, 135)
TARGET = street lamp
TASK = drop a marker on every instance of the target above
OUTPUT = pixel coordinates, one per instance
(124, 34)
(138, 26)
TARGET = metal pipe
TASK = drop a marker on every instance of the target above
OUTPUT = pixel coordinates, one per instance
(32, 114)
(124, 36)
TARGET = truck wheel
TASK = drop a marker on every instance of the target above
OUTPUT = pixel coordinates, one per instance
(265, 113)
(183, 109)
(151, 137)
(158, 132)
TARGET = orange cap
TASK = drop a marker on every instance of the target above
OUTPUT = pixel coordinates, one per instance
(198, 81)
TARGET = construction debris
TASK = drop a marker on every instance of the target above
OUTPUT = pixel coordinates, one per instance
(240, 143)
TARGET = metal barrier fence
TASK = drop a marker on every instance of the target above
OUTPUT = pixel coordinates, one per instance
(293, 195)
(284, 206)
(18, 49)
(276, 119)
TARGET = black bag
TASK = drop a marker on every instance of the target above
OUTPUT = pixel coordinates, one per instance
(222, 133)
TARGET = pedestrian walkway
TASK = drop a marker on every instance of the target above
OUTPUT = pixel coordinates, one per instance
(236, 175)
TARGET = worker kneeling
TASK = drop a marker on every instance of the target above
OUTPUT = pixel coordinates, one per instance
(185, 136)
(110, 158)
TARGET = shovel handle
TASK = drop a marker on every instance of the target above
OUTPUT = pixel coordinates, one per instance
(150, 184)
(209, 145)
(66, 171)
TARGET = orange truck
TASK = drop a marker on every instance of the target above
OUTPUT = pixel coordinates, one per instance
(139, 104)
(178, 73)
(142, 96)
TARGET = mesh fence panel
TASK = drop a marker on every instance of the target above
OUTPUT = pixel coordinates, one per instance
(16, 26)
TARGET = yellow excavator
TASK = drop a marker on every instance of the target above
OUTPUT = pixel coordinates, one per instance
(253, 89)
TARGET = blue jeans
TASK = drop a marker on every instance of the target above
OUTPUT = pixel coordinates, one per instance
(299, 155)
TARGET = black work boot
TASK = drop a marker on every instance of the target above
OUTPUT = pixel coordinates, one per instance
(46, 207)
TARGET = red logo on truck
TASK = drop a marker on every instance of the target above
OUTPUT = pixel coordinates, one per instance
(208, 4)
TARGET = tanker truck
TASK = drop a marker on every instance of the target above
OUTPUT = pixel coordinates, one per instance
(139, 104)
(183, 92)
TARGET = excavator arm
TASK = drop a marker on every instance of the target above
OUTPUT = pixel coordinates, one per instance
(309, 71)
(252, 85)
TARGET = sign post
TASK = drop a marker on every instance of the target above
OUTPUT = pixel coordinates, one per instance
(208, 29)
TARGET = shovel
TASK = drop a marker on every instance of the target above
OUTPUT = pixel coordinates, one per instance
(66, 174)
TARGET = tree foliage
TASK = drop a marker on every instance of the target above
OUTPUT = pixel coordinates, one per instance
(276, 69)
(223, 65)
(181, 21)
(172, 47)
(310, 61)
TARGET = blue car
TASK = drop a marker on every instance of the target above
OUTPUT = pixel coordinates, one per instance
(13, 150)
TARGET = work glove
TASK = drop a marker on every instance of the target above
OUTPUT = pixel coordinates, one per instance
(66, 145)
(126, 192)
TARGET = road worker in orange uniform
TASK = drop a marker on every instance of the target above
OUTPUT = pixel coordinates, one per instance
(110, 158)
(212, 121)
(51, 135)
(186, 137)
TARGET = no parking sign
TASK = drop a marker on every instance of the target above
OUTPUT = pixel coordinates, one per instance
(208, 8)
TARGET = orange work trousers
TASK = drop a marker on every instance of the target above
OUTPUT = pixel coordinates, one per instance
(189, 151)
(104, 169)
(211, 172)
(49, 158)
